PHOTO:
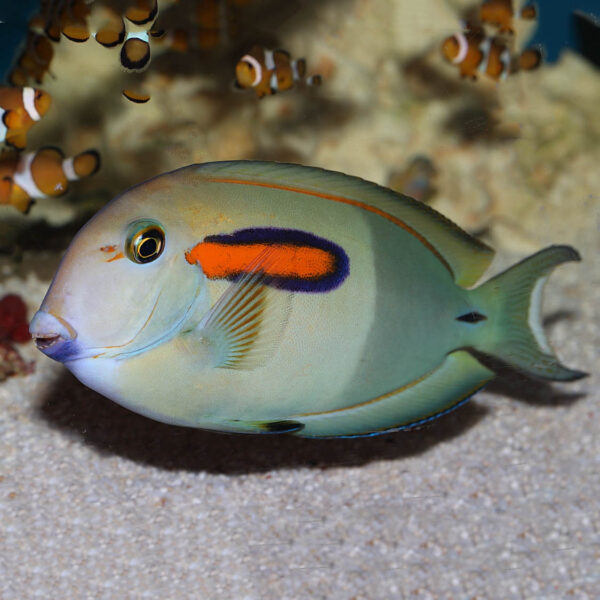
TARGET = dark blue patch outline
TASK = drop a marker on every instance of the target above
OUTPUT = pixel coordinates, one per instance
(293, 237)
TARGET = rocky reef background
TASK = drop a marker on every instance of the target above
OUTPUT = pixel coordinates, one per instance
(498, 500)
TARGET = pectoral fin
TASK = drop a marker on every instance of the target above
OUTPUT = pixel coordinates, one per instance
(246, 323)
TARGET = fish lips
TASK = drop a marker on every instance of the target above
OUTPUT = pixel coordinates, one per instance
(54, 337)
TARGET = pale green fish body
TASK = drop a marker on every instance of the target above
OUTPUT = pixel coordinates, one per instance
(276, 297)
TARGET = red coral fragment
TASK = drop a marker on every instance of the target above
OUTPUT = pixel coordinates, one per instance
(13, 319)
(13, 328)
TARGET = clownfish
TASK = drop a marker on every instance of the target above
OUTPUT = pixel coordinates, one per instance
(136, 96)
(74, 21)
(500, 14)
(27, 177)
(68, 17)
(135, 52)
(270, 298)
(20, 110)
(143, 12)
(415, 180)
(215, 23)
(113, 33)
(174, 39)
(473, 53)
(271, 71)
(34, 61)
(47, 21)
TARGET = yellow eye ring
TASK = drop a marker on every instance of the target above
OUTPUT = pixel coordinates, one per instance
(145, 242)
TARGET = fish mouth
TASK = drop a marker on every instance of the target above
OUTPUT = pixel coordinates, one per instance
(44, 342)
(53, 336)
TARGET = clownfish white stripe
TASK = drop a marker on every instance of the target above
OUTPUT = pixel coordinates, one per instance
(295, 70)
(269, 60)
(257, 68)
(485, 47)
(3, 128)
(69, 170)
(463, 47)
(273, 81)
(140, 35)
(29, 103)
(505, 59)
(24, 179)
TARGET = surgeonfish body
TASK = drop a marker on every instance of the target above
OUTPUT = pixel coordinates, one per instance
(271, 71)
(20, 110)
(42, 174)
(474, 53)
(265, 297)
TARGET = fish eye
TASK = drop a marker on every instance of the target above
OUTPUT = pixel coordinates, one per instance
(145, 242)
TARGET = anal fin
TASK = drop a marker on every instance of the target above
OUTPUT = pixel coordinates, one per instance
(458, 377)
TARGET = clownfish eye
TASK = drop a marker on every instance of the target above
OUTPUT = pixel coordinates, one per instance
(145, 242)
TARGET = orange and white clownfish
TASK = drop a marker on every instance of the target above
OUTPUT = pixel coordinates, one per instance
(134, 41)
(473, 53)
(174, 39)
(215, 23)
(143, 12)
(74, 20)
(68, 17)
(20, 109)
(34, 61)
(42, 174)
(135, 52)
(270, 71)
(47, 20)
(500, 14)
(415, 179)
(137, 96)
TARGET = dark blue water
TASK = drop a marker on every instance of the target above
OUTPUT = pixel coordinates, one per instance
(13, 29)
(557, 29)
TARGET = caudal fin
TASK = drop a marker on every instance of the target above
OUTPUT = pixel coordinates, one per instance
(513, 301)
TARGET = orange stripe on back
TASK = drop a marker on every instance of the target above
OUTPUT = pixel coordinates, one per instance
(343, 200)
(220, 261)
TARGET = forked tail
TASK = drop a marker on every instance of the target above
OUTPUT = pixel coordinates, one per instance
(513, 301)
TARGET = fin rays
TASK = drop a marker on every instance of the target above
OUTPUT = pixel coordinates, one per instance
(246, 322)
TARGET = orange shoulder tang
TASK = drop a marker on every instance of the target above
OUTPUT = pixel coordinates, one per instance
(298, 261)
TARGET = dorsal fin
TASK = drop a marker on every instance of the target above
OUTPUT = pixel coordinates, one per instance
(465, 257)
